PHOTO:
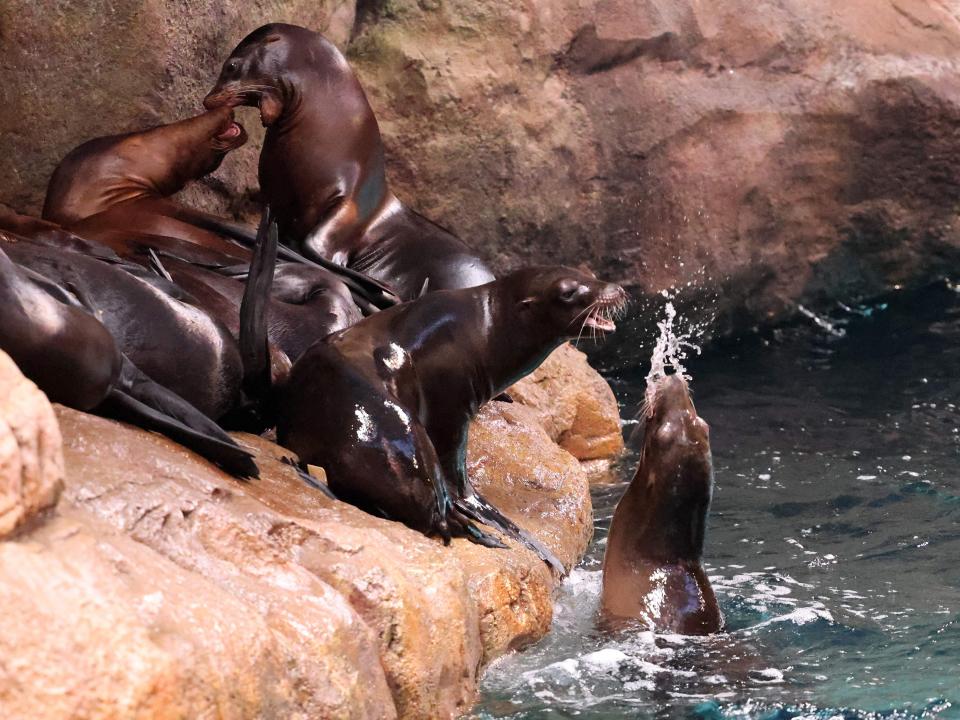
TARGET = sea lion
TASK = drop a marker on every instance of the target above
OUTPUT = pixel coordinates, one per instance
(652, 570)
(153, 322)
(306, 302)
(124, 181)
(322, 166)
(384, 406)
(116, 190)
(73, 358)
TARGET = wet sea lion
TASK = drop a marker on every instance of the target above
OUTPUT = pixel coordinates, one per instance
(153, 322)
(306, 302)
(304, 305)
(652, 570)
(384, 407)
(73, 358)
(322, 165)
(125, 181)
(116, 190)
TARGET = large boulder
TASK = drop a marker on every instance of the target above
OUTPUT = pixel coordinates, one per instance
(96, 625)
(754, 156)
(31, 461)
(576, 407)
(281, 601)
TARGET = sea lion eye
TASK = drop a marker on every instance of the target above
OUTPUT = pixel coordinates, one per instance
(567, 290)
(233, 66)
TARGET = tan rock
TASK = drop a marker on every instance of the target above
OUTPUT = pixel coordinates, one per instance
(31, 461)
(96, 625)
(575, 406)
(352, 603)
(513, 462)
(205, 522)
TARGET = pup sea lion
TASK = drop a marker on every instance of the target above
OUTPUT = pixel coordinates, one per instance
(124, 181)
(322, 165)
(72, 357)
(652, 571)
(116, 190)
(384, 406)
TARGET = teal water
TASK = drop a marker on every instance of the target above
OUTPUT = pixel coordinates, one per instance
(834, 538)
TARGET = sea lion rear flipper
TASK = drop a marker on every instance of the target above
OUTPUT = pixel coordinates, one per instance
(140, 401)
(476, 507)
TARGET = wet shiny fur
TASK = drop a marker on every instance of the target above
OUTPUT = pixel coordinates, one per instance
(384, 407)
(652, 569)
(322, 165)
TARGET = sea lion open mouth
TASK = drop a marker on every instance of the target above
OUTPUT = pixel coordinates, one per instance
(605, 309)
(233, 131)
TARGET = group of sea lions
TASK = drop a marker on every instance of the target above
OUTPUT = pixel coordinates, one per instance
(365, 333)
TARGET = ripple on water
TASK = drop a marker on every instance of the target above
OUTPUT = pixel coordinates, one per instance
(833, 545)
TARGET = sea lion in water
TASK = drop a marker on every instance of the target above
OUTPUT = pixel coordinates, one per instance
(322, 165)
(652, 570)
(73, 358)
(385, 406)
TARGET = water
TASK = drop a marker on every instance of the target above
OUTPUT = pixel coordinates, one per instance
(834, 540)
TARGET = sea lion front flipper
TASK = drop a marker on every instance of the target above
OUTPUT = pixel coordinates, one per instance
(254, 342)
(137, 399)
(308, 478)
(476, 507)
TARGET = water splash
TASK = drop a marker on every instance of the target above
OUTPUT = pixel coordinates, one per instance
(672, 349)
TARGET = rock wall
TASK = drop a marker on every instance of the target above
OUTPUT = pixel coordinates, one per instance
(161, 588)
(791, 150)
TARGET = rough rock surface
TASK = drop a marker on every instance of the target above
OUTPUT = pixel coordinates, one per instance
(172, 590)
(793, 150)
(31, 460)
(576, 407)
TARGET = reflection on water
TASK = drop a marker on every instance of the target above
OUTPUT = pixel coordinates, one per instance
(834, 543)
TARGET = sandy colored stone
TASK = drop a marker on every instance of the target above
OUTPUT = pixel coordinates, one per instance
(409, 588)
(576, 407)
(192, 514)
(31, 461)
(96, 625)
(513, 462)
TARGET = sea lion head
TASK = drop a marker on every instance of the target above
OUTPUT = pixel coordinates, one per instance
(322, 291)
(675, 474)
(266, 68)
(172, 155)
(568, 301)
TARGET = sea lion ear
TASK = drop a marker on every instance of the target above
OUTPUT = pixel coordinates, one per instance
(529, 300)
(271, 38)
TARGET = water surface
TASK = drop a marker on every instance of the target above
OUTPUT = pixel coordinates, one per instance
(833, 545)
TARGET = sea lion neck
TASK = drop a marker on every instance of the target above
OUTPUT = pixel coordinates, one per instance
(530, 341)
(169, 156)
